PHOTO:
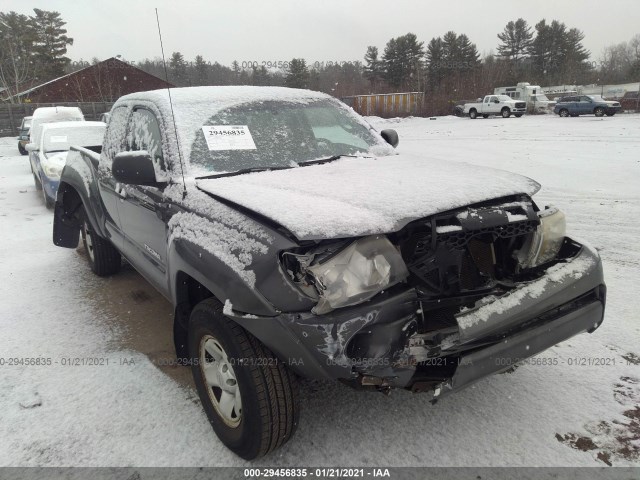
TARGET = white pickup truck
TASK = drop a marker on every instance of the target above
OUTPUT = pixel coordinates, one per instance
(495, 105)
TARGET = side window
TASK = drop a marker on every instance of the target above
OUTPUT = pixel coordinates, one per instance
(144, 134)
(114, 136)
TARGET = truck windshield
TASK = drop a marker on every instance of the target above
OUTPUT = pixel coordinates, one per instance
(280, 134)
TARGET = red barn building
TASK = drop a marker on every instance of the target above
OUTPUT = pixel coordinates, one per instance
(105, 81)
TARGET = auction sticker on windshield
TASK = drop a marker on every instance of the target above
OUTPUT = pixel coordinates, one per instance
(228, 137)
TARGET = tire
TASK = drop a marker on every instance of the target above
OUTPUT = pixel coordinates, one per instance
(611, 114)
(517, 115)
(473, 114)
(265, 415)
(506, 113)
(36, 181)
(102, 256)
(485, 116)
(21, 149)
(564, 113)
(599, 112)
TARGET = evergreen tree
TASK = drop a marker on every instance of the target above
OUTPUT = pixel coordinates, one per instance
(298, 74)
(178, 70)
(516, 39)
(402, 60)
(201, 71)
(259, 75)
(373, 69)
(16, 41)
(436, 70)
(50, 44)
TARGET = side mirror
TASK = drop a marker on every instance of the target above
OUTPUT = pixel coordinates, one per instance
(496, 101)
(31, 147)
(391, 137)
(135, 168)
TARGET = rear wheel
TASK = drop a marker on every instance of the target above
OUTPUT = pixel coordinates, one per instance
(249, 396)
(473, 114)
(103, 257)
(506, 113)
(564, 113)
(599, 112)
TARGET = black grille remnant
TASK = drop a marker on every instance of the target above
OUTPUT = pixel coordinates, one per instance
(467, 251)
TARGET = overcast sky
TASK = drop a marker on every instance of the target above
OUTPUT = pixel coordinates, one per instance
(319, 30)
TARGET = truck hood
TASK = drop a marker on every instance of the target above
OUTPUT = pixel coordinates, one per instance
(364, 196)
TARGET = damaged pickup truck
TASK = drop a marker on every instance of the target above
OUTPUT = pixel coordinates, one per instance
(293, 240)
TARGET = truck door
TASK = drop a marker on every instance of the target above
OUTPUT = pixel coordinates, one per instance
(109, 188)
(141, 208)
(494, 105)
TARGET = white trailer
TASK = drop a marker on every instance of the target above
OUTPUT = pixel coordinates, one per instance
(537, 101)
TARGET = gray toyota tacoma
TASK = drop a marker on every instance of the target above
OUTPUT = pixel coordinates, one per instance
(294, 241)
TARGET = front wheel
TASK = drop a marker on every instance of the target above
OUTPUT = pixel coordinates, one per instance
(21, 149)
(249, 396)
(103, 257)
(599, 112)
(506, 113)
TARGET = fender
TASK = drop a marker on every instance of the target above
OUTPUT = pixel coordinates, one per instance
(194, 261)
(78, 187)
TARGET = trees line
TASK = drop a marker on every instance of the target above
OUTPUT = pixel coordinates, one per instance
(448, 68)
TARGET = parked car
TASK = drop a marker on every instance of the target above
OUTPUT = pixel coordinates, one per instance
(48, 160)
(23, 134)
(44, 115)
(495, 105)
(629, 102)
(293, 240)
(575, 105)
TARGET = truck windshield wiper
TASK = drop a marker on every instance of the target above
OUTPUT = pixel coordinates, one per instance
(328, 159)
(241, 172)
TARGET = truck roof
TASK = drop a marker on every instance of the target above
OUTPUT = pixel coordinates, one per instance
(220, 97)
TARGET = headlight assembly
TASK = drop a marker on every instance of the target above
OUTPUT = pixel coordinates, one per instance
(355, 273)
(52, 170)
(545, 243)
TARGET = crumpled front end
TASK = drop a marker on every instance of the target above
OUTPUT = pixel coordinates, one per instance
(482, 288)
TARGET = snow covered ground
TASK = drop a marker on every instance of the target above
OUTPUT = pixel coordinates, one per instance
(127, 411)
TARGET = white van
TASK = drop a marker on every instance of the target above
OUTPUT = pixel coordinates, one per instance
(49, 115)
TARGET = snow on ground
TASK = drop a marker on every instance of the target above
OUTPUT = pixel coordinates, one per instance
(131, 413)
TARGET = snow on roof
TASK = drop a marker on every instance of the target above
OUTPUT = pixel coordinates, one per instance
(67, 125)
(365, 196)
(57, 112)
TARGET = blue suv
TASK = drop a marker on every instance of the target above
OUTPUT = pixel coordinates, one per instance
(586, 105)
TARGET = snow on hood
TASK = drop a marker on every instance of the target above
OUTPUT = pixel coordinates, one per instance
(364, 196)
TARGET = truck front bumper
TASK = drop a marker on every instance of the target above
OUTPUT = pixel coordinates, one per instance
(376, 343)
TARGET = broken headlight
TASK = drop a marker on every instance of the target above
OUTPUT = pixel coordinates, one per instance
(545, 243)
(354, 273)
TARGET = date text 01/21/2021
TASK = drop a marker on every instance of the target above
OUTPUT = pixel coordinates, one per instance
(332, 472)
